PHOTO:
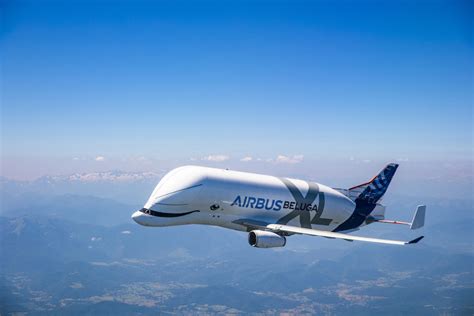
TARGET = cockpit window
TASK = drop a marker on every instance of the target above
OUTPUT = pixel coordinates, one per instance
(145, 210)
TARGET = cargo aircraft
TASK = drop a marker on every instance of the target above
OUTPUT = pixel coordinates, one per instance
(270, 208)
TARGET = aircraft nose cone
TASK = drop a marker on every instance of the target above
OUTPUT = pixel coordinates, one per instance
(136, 217)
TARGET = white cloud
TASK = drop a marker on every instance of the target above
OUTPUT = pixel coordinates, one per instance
(113, 176)
(402, 159)
(76, 285)
(289, 159)
(216, 158)
(99, 158)
(246, 159)
(75, 158)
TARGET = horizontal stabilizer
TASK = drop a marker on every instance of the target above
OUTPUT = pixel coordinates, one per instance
(417, 222)
(419, 217)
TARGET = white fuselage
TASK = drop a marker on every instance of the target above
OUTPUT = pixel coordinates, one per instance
(200, 195)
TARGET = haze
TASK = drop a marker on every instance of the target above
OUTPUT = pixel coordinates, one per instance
(99, 99)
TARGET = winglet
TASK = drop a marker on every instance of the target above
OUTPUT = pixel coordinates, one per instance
(414, 241)
(419, 217)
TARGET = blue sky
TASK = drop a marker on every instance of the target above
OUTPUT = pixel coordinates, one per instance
(180, 81)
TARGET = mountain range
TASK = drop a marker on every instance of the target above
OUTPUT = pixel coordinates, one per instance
(66, 252)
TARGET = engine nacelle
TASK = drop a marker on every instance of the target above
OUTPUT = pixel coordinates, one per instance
(264, 239)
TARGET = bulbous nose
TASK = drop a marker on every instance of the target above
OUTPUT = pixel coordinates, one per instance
(138, 217)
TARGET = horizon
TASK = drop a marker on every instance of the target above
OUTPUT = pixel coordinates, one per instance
(100, 99)
(297, 83)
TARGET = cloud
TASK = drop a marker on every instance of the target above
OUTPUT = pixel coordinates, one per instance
(109, 176)
(216, 158)
(246, 159)
(289, 159)
(99, 158)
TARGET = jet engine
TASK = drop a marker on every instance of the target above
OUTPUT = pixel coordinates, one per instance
(264, 239)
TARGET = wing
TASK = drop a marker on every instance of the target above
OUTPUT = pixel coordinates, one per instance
(313, 232)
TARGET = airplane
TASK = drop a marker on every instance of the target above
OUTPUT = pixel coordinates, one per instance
(270, 208)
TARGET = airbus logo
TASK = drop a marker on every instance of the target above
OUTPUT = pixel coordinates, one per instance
(270, 204)
(257, 203)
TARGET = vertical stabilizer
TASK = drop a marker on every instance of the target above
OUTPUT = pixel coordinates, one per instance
(366, 196)
(373, 190)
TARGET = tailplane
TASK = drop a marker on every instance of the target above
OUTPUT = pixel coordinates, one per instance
(368, 209)
(418, 220)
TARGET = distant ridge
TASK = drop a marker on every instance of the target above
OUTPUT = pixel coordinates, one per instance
(115, 175)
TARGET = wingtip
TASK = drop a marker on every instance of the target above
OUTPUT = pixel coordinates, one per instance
(418, 220)
(414, 241)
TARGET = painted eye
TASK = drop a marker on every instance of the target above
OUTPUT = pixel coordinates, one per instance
(214, 207)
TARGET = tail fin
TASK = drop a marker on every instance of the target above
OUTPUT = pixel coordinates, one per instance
(373, 190)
